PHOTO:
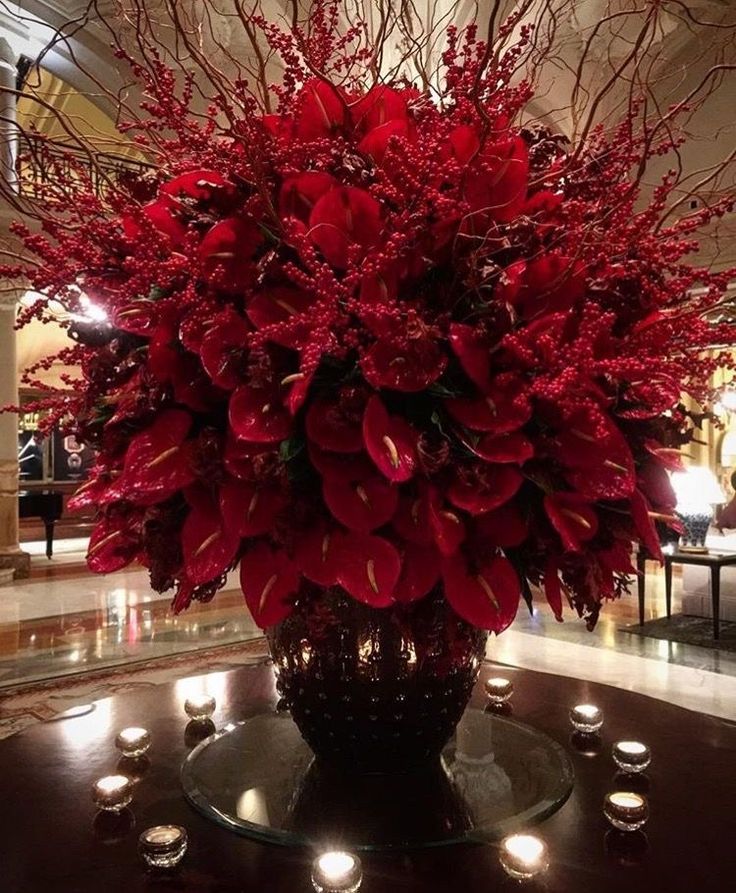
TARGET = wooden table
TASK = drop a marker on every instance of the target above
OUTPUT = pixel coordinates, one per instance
(51, 841)
(715, 561)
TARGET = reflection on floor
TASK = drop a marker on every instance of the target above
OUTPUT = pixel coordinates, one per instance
(65, 620)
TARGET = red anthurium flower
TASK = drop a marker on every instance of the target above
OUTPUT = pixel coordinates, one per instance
(323, 110)
(250, 509)
(316, 554)
(269, 580)
(486, 596)
(345, 467)
(649, 399)
(504, 527)
(227, 252)
(542, 204)
(368, 568)
(447, 528)
(332, 428)
(420, 571)
(344, 217)
(161, 213)
(495, 186)
(195, 323)
(617, 558)
(158, 461)
(380, 105)
(598, 459)
(115, 542)
(513, 447)
(655, 484)
(280, 126)
(573, 518)
(183, 594)
(361, 505)
(503, 407)
(391, 442)
(256, 414)
(510, 282)
(464, 143)
(484, 488)
(670, 458)
(553, 587)
(223, 349)
(544, 207)
(136, 317)
(380, 288)
(300, 192)
(551, 283)
(238, 456)
(169, 363)
(644, 523)
(376, 142)
(275, 305)
(100, 489)
(411, 520)
(410, 366)
(298, 384)
(472, 351)
(208, 543)
(201, 185)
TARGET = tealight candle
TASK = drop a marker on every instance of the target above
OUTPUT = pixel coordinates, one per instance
(586, 718)
(631, 756)
(200, 707)
(163, 846)
(133, 742)
(336, 872)
(523, 856)
(499, 689)
(112, 792)
(626, 810)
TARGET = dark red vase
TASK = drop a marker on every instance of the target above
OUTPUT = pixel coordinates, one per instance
(375, 690)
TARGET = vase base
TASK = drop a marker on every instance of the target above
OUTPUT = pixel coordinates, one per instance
(260, 779)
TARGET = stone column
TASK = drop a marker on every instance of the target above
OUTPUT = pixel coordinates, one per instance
(11, 555)
(8, 132)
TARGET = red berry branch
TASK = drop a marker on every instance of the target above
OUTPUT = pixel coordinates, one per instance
(368, 333)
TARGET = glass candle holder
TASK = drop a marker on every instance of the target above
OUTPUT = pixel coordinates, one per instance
(523, 856)
(499, 689)
(626, 811)
(586, 718)
(163, 846)
(336, 872)
(631, 756)
(112, 793)
(133, 742)
(200, 707)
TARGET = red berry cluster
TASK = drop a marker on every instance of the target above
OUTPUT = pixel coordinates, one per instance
(383, 340)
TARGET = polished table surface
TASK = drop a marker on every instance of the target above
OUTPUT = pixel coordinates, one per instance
(51, 841)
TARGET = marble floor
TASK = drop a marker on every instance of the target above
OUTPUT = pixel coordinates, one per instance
(64, 620)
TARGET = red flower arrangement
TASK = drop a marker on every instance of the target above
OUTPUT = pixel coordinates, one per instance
(383, 340)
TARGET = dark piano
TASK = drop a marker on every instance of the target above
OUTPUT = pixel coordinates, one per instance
(46, 505)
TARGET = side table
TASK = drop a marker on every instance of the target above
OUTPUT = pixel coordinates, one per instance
(714, 560)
